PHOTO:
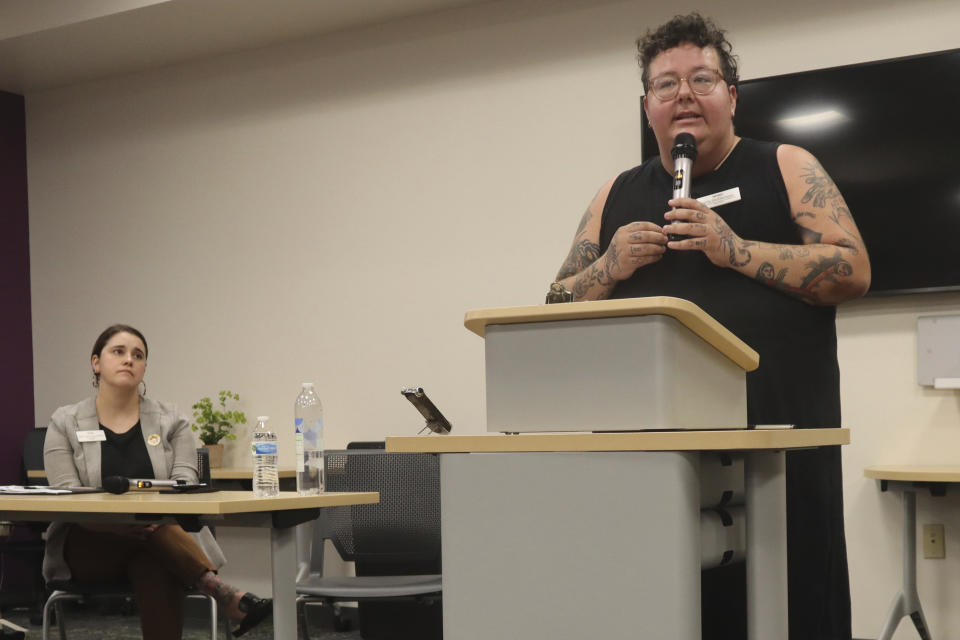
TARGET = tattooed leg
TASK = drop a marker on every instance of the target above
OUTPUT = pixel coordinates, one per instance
(227, 597)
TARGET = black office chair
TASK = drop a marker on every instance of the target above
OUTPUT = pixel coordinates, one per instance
(21, 560)
(394, 544)
(22, 546)
(69, 590)
(33, 456)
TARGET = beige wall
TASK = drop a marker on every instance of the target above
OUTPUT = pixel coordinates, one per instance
(328, 210)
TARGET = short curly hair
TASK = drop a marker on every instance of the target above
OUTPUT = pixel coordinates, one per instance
(693, 29)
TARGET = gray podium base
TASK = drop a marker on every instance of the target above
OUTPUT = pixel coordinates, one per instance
(558, 546)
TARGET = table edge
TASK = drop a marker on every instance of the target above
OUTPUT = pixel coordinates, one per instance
(728, 440)
(177, 505)
(914, 473)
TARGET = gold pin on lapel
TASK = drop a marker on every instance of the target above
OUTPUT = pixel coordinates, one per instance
(153, 440)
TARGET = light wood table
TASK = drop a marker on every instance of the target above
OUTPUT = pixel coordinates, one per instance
(908, 479)
(227, 508)
(219, 473)
(576, 535)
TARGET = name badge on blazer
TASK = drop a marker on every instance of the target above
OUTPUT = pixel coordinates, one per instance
(94, 435)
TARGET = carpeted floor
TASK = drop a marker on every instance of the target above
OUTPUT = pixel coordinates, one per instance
(91, 622)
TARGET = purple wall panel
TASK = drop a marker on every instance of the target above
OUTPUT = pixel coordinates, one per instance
(16, 345)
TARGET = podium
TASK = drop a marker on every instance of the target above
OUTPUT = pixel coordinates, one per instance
(595, 531)
(612, 365)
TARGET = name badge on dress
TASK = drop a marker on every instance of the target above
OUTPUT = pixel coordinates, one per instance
(94, 435)
(721, 197)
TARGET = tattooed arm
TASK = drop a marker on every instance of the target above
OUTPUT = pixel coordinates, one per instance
(591, 276)
(831, 265)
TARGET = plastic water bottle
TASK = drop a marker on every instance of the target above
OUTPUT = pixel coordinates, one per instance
(266, 477)
(308, 414)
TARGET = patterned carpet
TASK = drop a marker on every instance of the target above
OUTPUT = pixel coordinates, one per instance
(93, 623)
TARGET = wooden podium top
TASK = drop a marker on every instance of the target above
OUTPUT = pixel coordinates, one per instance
(726, 440)
(690, 315)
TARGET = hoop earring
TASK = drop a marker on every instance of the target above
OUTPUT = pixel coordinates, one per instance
(96, 381)
(144, 392)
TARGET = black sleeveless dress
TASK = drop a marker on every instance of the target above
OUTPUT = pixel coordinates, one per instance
(797, 382)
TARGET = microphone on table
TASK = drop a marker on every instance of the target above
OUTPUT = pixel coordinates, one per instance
(121, 484)
(683, 152)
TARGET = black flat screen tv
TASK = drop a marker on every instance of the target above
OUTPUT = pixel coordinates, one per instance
(887, 132)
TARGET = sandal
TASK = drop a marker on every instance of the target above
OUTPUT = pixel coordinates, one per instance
(257, 609)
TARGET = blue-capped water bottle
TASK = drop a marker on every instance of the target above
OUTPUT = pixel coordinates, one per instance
(308, 420)
(266, 477)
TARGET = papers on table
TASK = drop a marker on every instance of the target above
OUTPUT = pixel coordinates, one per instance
(16, 489)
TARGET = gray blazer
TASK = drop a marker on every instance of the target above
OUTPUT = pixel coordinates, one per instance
(69, 462)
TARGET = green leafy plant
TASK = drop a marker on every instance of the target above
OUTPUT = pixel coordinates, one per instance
(216, 424)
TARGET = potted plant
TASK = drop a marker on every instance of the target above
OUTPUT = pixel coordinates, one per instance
(215, 424)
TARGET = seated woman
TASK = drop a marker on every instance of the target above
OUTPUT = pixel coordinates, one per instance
(120, 432)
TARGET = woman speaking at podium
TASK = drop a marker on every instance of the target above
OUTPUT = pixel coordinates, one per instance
(121, 432)
(768, 249)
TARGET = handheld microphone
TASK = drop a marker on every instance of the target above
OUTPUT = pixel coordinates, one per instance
(120, 484)
(684, 152)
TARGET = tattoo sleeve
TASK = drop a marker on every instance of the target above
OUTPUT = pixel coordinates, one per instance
(828, 263)
(821, 186)
(809, 235)
(583, 222)
(582, 254)
(597, 274)
(821, 269)
(822, 193)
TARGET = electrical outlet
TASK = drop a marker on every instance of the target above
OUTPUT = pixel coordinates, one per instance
(933, 546)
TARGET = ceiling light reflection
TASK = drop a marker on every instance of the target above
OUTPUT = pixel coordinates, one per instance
(815, 120)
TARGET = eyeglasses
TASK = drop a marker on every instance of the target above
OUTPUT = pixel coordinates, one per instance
(701, 82)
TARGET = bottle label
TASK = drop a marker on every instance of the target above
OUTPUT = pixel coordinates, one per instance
(312, 437)
(265, 448)
(298, 423)
(298, 440)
